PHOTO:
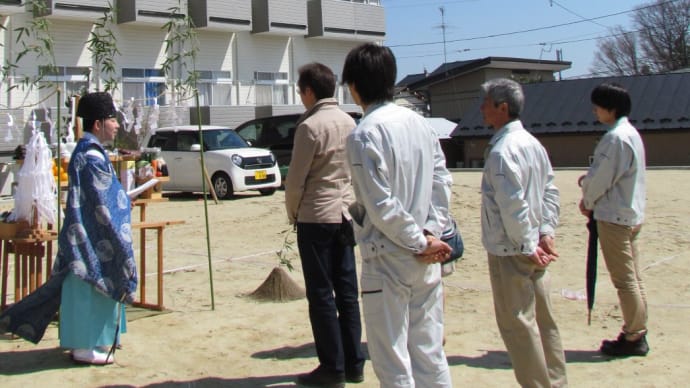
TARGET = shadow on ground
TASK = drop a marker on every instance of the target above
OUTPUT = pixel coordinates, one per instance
(30, 361)
(498, 359)
(292, 352)
(279, 381)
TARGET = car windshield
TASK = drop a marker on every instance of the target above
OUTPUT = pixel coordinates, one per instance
(222, 139)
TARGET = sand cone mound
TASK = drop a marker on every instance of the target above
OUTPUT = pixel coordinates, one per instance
(278, 287)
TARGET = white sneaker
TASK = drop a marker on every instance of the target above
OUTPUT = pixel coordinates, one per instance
(92, 356)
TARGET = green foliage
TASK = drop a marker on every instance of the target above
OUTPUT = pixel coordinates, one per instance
(181, 48)
(284, 254)
(103, 46)
(34, 38)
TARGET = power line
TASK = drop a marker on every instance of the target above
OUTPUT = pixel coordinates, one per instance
(576, 14)
(554, 42)
(416, 3)
(536, 28)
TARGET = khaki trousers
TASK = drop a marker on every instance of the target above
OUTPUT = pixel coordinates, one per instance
(523, 313)
(621, 254)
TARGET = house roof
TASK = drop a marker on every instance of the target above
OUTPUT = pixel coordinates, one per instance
(659, 102)
(454, 69)
(442, 126)
(409, 79)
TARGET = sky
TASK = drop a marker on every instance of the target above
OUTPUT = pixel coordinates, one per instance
(481, 28)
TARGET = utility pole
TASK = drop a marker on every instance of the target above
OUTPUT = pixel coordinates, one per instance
(559, 57)
(443, 29)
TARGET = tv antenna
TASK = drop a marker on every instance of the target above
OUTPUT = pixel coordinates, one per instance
(443, 27)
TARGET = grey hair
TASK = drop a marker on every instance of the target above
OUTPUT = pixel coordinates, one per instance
(505, 90)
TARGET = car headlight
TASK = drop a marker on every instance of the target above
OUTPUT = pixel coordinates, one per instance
(237, 160)
(273, 159)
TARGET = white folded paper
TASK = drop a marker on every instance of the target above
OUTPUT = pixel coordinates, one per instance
(134, 193)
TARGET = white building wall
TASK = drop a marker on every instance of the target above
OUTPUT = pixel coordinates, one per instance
(331, 53)
(261, 53)
(141, 45)
(70, 38)
(215, 51)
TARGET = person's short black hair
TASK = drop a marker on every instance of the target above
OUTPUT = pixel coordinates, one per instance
(319, 78)
(612, 96)
(371, 69)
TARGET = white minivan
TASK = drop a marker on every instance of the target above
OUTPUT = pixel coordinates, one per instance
(231, 163)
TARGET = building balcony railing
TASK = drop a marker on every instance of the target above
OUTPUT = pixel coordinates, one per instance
(156, 12)
(284, 17)
(230, 15)
(10, 7)
(346, 19)
(72, 9)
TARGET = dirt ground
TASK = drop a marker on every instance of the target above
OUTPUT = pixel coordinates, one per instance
(245, 343)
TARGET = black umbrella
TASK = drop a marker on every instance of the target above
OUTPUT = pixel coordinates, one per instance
(592, 251)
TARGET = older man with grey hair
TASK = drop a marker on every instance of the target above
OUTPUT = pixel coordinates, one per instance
(520, 208)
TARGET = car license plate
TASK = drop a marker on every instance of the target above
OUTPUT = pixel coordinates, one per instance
(260, 175)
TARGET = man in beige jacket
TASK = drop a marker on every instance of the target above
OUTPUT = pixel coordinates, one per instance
(317, 195)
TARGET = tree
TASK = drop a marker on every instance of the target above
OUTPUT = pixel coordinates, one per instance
(617, 54)
(664, 34)
(659, 42)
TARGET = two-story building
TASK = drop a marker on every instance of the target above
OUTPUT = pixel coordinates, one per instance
(248, 55)
(451, 88)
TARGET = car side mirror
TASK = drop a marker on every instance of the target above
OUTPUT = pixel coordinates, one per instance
(195, 147)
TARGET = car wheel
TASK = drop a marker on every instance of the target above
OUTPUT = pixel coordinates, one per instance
(222, 185)
(268, 191)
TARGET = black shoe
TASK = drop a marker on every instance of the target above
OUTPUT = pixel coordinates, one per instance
(354, 377)
(322, 378)
(621, 347)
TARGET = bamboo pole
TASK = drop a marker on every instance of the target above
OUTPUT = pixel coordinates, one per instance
(203, 189)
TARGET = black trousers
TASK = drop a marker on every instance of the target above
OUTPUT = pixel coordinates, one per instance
(330, 277)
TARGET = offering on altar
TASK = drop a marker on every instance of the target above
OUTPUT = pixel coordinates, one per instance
(35, 199)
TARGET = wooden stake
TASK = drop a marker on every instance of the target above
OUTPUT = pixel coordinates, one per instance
(210, 186)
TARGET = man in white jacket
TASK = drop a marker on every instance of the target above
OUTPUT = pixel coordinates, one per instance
(402, 188)
(520, 208)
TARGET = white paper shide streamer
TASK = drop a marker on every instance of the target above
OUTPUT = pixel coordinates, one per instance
(36, 189)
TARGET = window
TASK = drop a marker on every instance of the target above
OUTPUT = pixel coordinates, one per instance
(251, 132)
(185, 140)
(271, 88)
(215, 87)
(265, 76)
(146, 85)
(222, 139)
(71, 80)
(163, 140)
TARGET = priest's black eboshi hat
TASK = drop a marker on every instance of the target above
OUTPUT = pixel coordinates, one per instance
(96, 106)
